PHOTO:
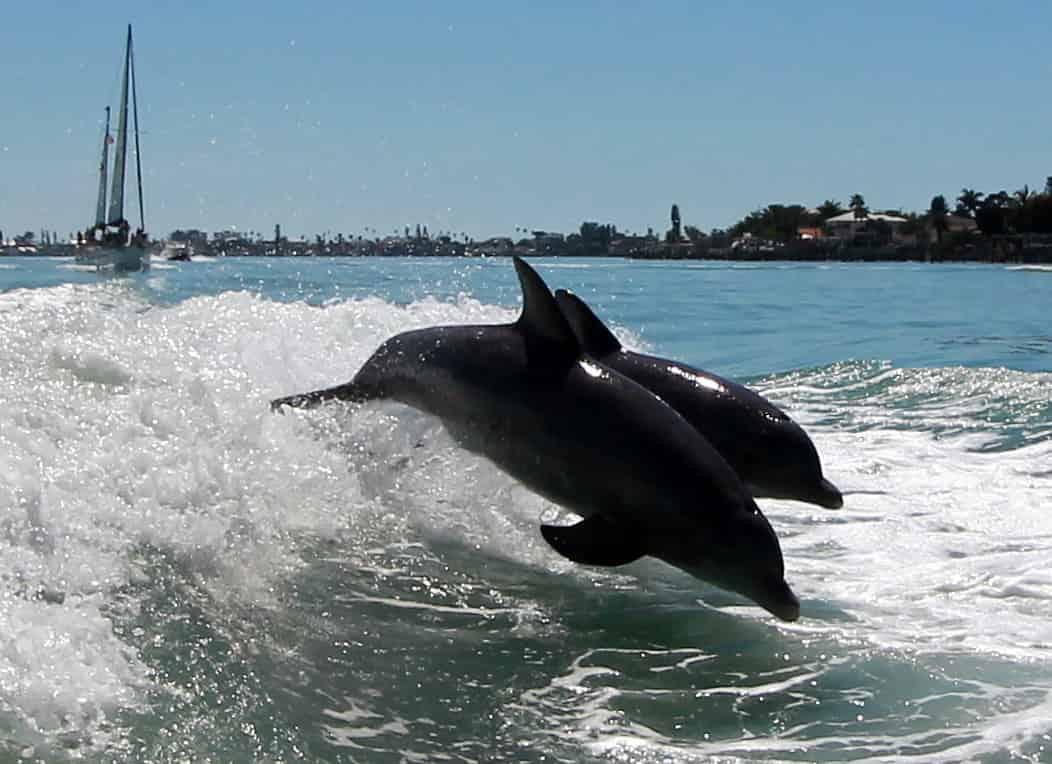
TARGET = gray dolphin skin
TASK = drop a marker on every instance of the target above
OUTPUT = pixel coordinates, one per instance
(586, 438)
(771, 453)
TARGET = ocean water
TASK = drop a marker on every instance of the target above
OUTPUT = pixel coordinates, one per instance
(186, 577)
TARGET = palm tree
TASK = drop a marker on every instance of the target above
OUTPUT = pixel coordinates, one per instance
(970, 199)
(828, 209)
(937, 214)
(857, 204)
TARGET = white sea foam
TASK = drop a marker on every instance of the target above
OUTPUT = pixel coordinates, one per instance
(1032, 267)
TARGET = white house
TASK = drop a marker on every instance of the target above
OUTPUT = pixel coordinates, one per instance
(848, 227)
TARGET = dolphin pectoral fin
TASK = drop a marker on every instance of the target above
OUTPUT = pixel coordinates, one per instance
(594, 541)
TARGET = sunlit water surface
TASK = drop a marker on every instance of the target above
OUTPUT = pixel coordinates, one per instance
(185, 576)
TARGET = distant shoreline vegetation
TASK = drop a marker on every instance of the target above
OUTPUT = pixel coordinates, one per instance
(995, 227)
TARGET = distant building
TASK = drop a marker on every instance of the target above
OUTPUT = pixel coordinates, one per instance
(498, 245)
(629, 246)
(961, 223)
(851, 228)
(548, 243)
(954, 224)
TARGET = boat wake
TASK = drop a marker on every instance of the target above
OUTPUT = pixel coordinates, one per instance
(188, 575)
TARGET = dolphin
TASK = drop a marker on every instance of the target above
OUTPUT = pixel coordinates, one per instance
(585, 437)
(771, 453)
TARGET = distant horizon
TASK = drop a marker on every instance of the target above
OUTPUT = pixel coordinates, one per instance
(330, 233)
(484, 118)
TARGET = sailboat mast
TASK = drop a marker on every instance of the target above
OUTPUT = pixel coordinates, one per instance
(135, 115)
(116, 213)
(100, 205)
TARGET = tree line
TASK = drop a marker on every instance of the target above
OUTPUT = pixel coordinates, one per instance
(995, 213)
(1000, 213)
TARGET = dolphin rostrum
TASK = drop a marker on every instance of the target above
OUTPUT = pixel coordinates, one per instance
(585, 437)
(771, 453)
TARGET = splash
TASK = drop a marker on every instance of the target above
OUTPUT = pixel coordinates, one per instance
(176, 558)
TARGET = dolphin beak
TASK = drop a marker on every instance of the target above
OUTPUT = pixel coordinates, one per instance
(781, 602)
(787, 612)
(829, 496)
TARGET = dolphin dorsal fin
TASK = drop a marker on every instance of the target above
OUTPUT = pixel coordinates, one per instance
(541, 321)
(595, 338)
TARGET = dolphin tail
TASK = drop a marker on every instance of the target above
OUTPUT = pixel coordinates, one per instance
(594, 541)
(349, 392)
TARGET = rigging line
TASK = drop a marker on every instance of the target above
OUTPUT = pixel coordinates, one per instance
(135, 118)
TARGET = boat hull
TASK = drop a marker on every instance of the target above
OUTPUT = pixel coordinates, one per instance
(117, 259)
(175, 253)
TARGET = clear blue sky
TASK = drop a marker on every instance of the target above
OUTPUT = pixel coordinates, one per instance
(484, 116)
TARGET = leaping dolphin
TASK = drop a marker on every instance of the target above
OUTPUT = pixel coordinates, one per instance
(586, 438)
(771, 453)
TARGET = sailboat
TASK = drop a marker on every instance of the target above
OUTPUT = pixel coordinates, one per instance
(109, 244)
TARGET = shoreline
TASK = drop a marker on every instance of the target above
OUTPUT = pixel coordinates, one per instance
(992, 252)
